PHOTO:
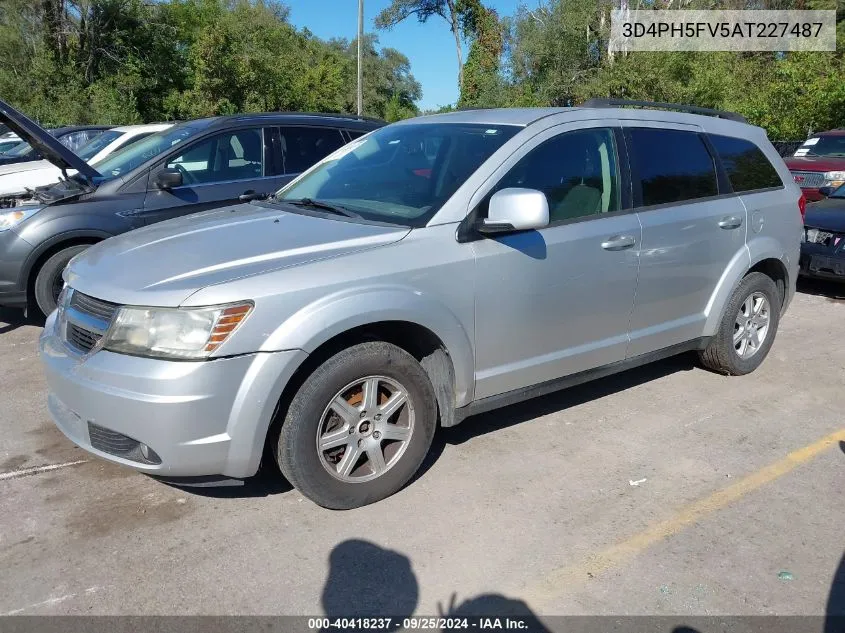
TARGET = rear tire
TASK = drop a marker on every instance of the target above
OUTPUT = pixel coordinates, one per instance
(343, 448)
(748, 327)
(48, 281)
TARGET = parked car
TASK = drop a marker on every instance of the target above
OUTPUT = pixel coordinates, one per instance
(823, 242)
(8, 141)
(819, 162)
(17, 178)
(73, 137)
(436, 268)
(187, 168)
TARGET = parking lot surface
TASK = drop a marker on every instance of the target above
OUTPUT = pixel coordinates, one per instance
(664, 490)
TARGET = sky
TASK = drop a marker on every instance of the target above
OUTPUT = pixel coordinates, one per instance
(430, 47)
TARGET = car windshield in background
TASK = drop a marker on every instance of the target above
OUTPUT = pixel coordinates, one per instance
(400, 174)
(125, 160)
(93, 147)
(823, 146)
(21, 149)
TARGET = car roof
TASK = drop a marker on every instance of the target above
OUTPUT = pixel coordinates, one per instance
(77, 128)
(281, 118)
(526, 116)
(837, 132)
(144, 127)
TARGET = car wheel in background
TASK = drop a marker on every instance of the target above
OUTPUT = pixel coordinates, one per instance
(359, 427)
(748, 327)
(48, 281)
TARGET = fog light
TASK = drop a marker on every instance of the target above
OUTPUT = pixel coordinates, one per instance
(149, 454)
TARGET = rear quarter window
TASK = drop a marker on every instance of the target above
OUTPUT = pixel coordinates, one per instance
(746, 165)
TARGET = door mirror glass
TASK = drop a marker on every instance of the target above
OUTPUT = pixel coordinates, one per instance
(516, 209)
(168, 178)
(825, 191)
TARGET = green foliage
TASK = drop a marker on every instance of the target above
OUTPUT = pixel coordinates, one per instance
(129, 61)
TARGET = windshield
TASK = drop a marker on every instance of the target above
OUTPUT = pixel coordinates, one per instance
(21, 149)
(401, 174)
(93, 147)
(5, 146)
(823, 146)
(128, 158)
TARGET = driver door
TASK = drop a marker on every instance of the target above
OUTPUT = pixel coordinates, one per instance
(215, 171)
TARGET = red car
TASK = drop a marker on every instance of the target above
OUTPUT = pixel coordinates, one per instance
(819, 162)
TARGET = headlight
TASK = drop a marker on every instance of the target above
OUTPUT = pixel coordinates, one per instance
(13, 217)
(834, 178)
(189, 333)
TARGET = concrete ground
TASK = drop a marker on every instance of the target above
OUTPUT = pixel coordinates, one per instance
(663, 490)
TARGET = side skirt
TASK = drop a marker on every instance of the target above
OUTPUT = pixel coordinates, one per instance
(534, 391)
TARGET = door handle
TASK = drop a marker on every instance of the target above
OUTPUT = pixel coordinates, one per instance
(618, 243)
(730, 222)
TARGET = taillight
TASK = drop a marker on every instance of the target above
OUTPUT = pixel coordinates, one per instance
(802, 206)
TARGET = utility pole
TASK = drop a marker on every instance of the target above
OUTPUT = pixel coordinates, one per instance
(360, 60)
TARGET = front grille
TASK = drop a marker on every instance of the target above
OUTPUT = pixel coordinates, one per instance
(80, 338)
(808, 179)
(84, 333)
(95, 307)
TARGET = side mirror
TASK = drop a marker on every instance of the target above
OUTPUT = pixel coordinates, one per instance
(516, 210)
(168, 178)
(825, 191)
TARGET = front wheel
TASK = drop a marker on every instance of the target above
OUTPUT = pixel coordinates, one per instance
(748, 327)
(359, 427)
(48, 281)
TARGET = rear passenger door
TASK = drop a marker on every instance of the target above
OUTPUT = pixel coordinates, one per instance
(692, 227)
(216, 170)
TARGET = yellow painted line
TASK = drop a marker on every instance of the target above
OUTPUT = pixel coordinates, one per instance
(560, 579)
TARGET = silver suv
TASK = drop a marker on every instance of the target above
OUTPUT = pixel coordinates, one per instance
(428, 271)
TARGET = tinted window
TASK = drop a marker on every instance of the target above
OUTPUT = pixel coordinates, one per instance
(673, 165)
(304, 146)
(577, 171)
(236, 155)
(747, 167)
(92, 148)
(831, 145)
(353, 134)
(401, 173)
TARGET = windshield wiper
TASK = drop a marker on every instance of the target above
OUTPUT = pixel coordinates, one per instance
(325, 206)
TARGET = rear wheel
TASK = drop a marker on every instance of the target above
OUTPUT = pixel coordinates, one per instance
(748, 327)
(48, 281)
(359, 427)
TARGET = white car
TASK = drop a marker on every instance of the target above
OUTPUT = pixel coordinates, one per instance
(17, 178)
(8, 141)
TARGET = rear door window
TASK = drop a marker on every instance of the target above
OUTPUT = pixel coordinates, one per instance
(671, 166)
(747, 167)
(301, 147)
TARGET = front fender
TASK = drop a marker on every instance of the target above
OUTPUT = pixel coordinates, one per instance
(335, 314)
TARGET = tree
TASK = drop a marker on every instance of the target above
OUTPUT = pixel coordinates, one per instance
(449, 10)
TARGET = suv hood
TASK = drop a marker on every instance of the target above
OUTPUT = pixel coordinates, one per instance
(814, 163)
(164, 264)
(47, 145)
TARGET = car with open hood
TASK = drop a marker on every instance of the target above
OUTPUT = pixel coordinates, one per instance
(819, 162)
(435, 268)
(823, 241)
(187, 168)
(18, 178)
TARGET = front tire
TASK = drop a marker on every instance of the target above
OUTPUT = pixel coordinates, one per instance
(48, 281)
(359, 427)
(748, 327)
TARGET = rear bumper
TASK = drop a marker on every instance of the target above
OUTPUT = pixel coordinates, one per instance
(200, 418)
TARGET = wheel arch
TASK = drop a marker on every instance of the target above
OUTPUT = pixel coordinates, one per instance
(52, 246)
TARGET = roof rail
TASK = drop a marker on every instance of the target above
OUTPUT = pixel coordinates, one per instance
(609, 103)
(333, 115)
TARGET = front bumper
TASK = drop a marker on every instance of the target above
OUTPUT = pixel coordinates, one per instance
(826, 264)
(201, 418)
